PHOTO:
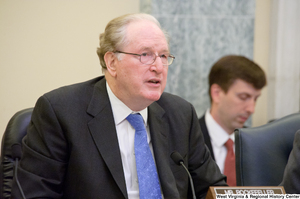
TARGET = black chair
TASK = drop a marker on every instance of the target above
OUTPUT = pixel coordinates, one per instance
(15, 131)
(262, 152)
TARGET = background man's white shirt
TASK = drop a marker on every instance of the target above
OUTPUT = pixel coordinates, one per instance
(218, 137)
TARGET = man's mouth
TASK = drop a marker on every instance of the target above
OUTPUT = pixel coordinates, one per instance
(154, 81)
(244, 118)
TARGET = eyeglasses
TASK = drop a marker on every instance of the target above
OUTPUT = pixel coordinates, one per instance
(149, 57)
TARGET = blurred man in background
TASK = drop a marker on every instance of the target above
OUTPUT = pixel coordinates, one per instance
(235, 83)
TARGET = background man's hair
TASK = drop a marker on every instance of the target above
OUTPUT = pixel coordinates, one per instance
(232, 67)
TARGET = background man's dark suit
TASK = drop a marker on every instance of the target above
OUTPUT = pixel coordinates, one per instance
(206, 135)
(74, 145)
(291, 178)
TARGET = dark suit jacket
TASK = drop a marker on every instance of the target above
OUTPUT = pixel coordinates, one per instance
(206, 135)
(291, 177)
(71, 149)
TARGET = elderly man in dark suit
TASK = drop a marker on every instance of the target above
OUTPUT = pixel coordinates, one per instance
(82, 139)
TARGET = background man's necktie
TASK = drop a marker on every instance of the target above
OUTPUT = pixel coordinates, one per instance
(229, 168)
(147, 175)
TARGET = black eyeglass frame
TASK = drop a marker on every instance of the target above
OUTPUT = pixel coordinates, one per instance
(170, 56)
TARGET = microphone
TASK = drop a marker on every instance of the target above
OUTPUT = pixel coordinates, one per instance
(177, 158)
(16, 153)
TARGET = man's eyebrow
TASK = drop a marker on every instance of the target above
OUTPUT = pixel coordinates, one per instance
(248, 94)
(147, 48)
(144, 48)
(165, 51)
(151, 49)
(243, 93)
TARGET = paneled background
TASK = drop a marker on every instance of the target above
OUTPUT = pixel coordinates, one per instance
(202, 31)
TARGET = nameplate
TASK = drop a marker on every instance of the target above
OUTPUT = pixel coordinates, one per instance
(221, 190)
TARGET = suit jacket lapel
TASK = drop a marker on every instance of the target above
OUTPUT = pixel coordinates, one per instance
(159, 130)
(206, 135)
(103, 131)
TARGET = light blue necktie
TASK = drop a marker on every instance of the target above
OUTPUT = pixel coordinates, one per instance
(147, 176)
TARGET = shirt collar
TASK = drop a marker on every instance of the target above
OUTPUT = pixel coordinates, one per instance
(120, 110)
(217, 134)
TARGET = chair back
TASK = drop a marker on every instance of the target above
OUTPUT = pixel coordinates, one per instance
(262, 152)
(15, 131)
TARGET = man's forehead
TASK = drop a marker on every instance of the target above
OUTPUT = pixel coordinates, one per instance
(243, 86)
(241, 83)
(146, 37)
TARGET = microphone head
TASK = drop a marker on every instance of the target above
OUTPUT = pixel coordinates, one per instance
(16, 151)
(176, 157)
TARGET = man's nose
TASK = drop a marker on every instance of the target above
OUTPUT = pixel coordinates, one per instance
(251, 106)
(157, 65)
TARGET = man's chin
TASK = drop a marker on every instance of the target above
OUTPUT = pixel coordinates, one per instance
(239, 125)
(154, 96)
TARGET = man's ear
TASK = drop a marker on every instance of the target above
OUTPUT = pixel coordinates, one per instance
(110, 61)
(215, 92)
